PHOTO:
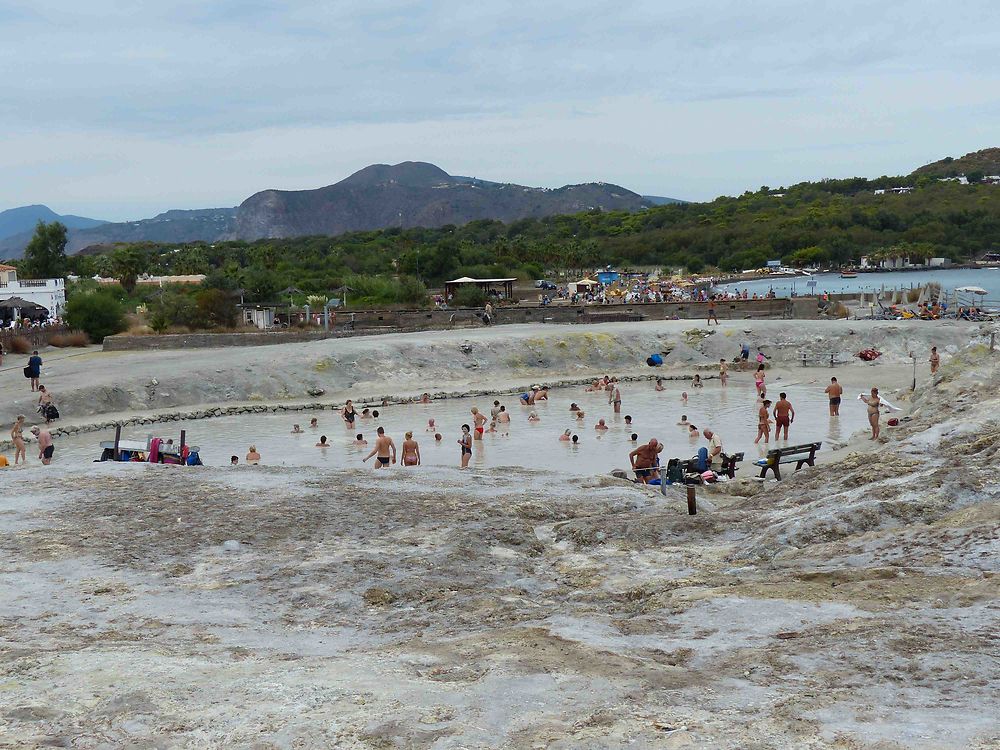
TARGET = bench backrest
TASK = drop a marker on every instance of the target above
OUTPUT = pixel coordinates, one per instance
(793, 450)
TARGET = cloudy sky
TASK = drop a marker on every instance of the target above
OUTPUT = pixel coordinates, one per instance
(119, 110)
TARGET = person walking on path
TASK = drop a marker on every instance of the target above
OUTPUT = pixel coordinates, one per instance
(34, 369)
(711, 311)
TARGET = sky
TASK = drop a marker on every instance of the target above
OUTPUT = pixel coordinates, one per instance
(120, 110)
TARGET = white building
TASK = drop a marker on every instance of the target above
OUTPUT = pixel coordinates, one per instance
(49, 293)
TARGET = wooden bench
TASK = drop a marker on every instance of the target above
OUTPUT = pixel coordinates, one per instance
(800, 455)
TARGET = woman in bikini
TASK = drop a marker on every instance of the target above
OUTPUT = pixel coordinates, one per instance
(763, 423)
(723, 372)
(758, 378)
(873, 402)
(17, 436)
(348, 413)
(466, 442)
(411, 451)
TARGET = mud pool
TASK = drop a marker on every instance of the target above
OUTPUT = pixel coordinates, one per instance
(730, 411)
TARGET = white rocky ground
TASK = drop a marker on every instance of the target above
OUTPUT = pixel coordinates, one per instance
(850, 606)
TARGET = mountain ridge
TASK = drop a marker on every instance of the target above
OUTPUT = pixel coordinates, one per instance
(411, 194)
(21, 219)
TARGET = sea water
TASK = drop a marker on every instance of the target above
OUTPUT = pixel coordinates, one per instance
(949, 279)
(731, 412)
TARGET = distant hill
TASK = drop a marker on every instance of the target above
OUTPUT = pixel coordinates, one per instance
(986, 161)
(659, 200)
(415, 194)
(15, 221)
(176, 226)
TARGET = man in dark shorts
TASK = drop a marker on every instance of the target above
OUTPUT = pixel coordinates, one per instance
(34, 369)
(45, 447)
(834, 391)
(385, 448)
(643, 460)
(784, 415)
(711, 311)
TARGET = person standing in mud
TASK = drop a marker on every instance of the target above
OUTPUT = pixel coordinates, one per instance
(348, 414)
(411, 451)
(874, 404)
(384, 448)
(935, 360)
(834, 391)
(723, 372)
(763, 422)
(479, 420)
(45, 446)
(615, 396)
(466, 442)
(643, 460)
(784, 415)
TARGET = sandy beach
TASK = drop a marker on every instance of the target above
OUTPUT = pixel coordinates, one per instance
(852, 605)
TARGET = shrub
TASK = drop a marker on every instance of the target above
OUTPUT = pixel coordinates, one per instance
(19, 345)
(74, 338)
(99, 314)
(469, 295)
(217, 308)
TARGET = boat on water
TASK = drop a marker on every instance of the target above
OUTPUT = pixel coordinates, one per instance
(151, 450)
(848, 274)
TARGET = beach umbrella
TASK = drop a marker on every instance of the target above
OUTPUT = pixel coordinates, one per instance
(343, 290)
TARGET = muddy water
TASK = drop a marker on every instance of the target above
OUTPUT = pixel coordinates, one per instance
(730, 411)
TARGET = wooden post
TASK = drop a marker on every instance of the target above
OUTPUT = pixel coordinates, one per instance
(993, 341)
(118, 439)
(692, 502)
(183, 435)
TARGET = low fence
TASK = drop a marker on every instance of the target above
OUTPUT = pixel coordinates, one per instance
(373, 322)
(36, 337)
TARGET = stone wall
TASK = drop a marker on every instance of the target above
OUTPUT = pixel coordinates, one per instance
(369, 322)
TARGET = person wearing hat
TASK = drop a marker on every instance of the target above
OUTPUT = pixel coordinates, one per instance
(45, 447)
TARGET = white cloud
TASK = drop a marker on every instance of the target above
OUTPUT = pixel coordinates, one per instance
(123, 109)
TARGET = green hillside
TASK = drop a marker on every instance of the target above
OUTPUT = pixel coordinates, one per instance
(833, 221)
(985, 162)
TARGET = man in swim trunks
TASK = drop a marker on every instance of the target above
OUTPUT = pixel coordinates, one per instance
(479, 422)
(784, 415)
(834, 391)
(643, 460)
(45, 447)
(385, 448)
(711, 311)
(495, 410)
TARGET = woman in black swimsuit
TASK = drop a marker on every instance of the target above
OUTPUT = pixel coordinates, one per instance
(466, 443)
(348, 413)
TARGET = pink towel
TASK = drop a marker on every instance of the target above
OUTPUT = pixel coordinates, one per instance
(154, 451)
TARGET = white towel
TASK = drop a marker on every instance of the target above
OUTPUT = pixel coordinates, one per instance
(883, 400)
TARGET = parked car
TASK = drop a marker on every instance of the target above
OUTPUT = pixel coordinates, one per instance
(543, 284)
